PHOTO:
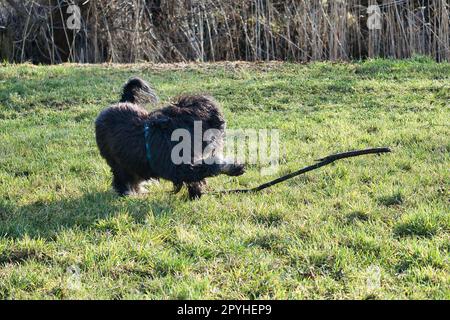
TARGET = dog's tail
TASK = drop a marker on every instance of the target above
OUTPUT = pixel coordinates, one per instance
(138, 91)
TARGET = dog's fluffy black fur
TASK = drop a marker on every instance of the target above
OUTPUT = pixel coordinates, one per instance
(120, 139)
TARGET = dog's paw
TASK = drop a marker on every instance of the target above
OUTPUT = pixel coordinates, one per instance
(141, 190)
(126, 193)
(236, 170)
(194, 195)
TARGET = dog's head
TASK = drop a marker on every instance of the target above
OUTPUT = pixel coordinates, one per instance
(138, 91)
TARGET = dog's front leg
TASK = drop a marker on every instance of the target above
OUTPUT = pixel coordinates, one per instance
(224, 166)
(195, 189)
(209, 167)
(230, 167)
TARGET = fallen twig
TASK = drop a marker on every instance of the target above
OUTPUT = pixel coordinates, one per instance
(321, 162)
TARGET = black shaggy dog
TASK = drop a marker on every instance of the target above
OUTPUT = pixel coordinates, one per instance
(137, 144)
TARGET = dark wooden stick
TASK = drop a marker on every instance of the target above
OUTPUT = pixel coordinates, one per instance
(321, 162)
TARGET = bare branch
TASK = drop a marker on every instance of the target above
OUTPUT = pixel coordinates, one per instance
(321, 162)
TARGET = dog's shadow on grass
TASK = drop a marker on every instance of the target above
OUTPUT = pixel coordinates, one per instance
(47, 219)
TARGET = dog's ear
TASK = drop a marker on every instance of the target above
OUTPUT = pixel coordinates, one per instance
(161, 122)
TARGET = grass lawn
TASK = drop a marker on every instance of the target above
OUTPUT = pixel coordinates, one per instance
(371, 227)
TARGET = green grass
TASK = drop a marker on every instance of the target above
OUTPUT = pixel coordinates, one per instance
(64, 234)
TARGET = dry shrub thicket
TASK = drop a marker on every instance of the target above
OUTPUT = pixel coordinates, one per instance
(210, 30)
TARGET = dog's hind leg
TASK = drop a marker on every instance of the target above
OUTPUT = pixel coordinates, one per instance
(123, 183)
(140, 188)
